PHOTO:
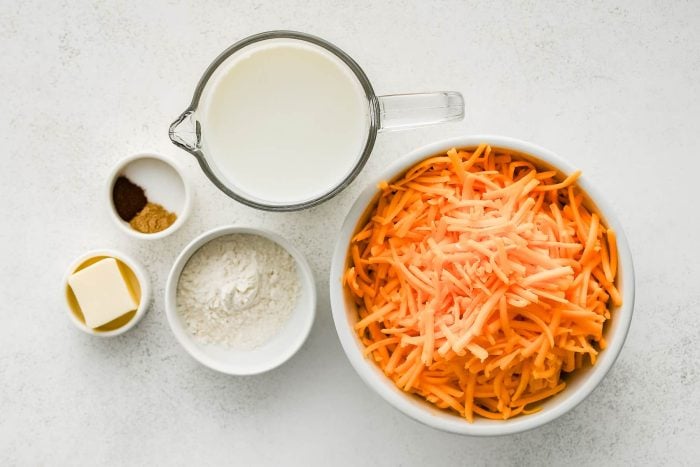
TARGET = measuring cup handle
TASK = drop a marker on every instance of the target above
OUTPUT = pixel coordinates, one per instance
(403, 111)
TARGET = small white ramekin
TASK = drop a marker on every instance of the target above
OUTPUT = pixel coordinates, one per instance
(140, 275)
(179, 182)
(270, 355)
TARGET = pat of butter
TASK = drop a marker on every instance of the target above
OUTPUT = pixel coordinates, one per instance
(102, 292)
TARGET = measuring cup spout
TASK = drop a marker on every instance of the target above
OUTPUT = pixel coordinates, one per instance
(185, 132)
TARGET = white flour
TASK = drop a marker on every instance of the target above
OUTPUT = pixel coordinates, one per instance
(238, 291)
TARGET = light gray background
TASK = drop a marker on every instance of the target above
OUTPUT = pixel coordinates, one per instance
(615, 88)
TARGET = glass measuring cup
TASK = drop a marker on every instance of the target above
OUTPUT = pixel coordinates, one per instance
(382, 113)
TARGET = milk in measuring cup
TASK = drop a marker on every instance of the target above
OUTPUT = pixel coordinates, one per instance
(286, 121)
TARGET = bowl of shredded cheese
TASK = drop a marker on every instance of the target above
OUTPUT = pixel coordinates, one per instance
(482, 286)
(240, 300)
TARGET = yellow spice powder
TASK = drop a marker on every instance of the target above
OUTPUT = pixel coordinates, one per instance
(152, 218)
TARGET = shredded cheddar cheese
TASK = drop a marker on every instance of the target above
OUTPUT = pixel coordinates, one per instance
(480, 280)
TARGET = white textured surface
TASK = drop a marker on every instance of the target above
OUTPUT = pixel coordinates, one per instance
(614, 88)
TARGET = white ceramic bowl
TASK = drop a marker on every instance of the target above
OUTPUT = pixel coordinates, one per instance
(135, 275)
(164, 183)
(580, 384)
(271, 354)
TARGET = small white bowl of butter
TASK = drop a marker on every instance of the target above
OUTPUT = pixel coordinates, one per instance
(106, 292)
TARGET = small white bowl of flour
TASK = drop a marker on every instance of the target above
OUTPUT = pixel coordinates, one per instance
(240, 300)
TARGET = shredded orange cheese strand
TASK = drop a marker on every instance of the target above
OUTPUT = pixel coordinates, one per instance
(480, 280)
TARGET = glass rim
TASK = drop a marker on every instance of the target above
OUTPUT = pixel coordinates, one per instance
(373, 108)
